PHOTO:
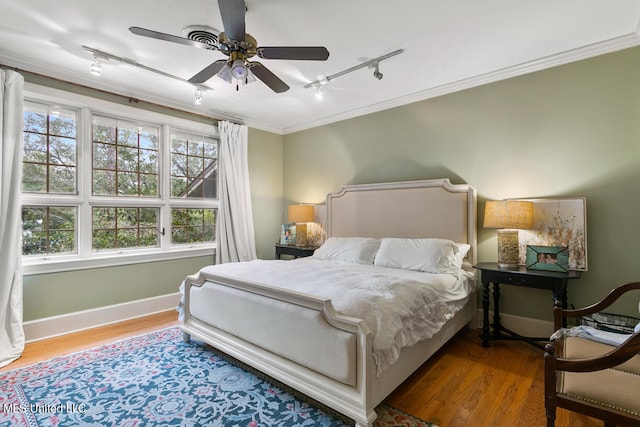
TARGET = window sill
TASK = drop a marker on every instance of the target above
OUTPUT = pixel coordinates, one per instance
(33, 266)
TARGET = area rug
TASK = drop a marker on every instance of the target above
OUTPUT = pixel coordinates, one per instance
(158, 380)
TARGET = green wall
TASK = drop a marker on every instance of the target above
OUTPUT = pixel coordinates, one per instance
(570, 131)
(265, 174)
(53, 294)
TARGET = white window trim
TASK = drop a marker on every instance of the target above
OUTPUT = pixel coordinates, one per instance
(85, 258)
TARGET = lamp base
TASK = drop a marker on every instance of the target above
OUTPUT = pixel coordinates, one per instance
(301, 234)
(508, 249)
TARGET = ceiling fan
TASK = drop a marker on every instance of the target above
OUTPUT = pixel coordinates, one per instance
(239, 48)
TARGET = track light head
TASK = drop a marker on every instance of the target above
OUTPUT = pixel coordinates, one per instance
(197, 96)
(377, 74)
(96, 68)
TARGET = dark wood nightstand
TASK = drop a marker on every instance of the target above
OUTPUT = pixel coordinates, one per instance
(295, 251)
(492, 275)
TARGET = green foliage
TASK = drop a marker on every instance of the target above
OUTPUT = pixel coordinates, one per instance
(48, 230)
(49, 150)
(192, 225)
(115, 228)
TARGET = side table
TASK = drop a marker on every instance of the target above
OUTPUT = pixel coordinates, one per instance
(492, 276)
(295, 251)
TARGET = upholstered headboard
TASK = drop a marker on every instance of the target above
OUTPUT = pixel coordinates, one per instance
(409, 209)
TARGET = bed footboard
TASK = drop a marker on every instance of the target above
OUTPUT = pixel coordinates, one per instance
(295, 338)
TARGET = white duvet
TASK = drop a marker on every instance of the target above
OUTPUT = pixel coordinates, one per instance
(401, 307)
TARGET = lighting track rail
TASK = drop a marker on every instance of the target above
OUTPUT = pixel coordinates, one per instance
(100, 55)
(372, 63)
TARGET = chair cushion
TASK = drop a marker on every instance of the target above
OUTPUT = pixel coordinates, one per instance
(617, 387)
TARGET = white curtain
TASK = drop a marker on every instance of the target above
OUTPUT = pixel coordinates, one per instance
(235, 236)
(11, 121)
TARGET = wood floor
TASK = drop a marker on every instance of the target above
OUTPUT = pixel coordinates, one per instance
(463, 384)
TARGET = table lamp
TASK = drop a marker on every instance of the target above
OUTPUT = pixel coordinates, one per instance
(301, 215)
(508, 216)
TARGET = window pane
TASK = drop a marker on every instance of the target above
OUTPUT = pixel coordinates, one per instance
(104, 183)
(48, 230)
(194, 166)
(193, 225)
(49, 139)
(104, 156)
(123, 227)
(131, 151)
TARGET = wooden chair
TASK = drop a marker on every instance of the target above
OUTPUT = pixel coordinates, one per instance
(592, 378)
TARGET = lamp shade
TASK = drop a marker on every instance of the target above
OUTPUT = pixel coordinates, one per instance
(508, 214)
(301, 213)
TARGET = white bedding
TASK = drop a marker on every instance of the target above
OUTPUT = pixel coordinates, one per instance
(401, 307)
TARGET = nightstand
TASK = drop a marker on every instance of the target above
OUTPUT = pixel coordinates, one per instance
(492, 275)
(295, 251)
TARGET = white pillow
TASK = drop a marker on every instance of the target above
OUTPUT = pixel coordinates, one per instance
(430, 255)
(353, 250)
(463, 249)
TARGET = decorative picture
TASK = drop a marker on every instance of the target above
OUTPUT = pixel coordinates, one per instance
(561, 223)
(548, 258)
(288, 234)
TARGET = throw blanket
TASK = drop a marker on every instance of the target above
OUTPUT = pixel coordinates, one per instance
(593, 334)
(401, 307)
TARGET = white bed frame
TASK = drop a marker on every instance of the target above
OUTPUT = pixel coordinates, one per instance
(412, 209)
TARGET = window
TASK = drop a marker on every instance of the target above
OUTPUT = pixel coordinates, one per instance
(125, 158)
(115, 228)
(108, 185)
(194, 166)
(48, 230)
(49, 153)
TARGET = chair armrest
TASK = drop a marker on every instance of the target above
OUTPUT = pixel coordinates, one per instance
(559, 314)
(615, 357)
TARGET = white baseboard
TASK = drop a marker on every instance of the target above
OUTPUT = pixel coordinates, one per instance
(525, 326)
(53, 326)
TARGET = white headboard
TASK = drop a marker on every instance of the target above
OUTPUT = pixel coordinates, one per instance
(409, 209)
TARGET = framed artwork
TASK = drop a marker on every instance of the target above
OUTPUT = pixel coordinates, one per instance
(558, 223)
(548, 258)
(288, 234)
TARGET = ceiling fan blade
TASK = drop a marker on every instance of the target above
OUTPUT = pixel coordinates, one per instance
(233, 12)
(208, 72)
(169, 38)
(310, 53)
(268, 78)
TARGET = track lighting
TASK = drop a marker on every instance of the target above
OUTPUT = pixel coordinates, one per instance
(100, 55)
(197, 96)
(96, 68)
(376, 72)
(372, 63)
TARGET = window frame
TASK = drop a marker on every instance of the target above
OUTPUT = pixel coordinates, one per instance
(84, 200)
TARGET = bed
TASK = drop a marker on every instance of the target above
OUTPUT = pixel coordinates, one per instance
(305, 336)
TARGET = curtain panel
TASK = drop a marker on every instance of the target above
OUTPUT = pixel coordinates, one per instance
(11, 125)
(235, 234)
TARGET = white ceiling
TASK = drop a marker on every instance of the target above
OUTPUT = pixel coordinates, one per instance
(448, 45)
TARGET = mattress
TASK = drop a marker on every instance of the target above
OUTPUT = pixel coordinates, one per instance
(400, 307)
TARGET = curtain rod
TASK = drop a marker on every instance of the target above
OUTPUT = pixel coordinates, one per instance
(130, 100)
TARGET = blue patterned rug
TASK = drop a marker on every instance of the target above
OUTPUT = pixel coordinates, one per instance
(155, 380)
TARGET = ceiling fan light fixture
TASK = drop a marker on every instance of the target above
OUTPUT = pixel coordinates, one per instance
(225, 73)
(239, 70)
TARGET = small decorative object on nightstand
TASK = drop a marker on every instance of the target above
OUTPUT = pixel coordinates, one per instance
(295, 250)
(508, 216)
(492, 274)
